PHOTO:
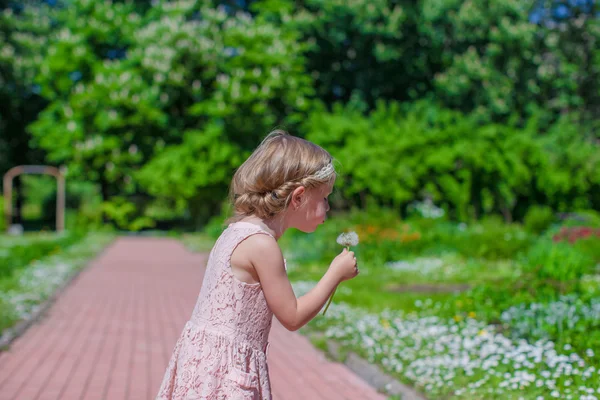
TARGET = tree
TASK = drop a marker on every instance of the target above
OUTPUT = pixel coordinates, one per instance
(142, 100)
(23, 28)
(102, 118)
(496, 58)
(232, 79)
(502, 58)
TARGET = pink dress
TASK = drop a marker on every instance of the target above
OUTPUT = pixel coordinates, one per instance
(221, 353)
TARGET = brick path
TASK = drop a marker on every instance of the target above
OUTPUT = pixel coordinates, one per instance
(111, 333)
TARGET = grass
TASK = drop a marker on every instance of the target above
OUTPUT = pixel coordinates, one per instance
(401, 286)
(30, 284)
(479, 311)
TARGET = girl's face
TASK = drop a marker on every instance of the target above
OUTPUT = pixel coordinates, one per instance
(313, 211)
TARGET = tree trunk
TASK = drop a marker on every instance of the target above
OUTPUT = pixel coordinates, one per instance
(507, 214)
(104, 190)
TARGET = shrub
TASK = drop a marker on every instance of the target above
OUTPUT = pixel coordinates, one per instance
(538, 219)
(558, 265)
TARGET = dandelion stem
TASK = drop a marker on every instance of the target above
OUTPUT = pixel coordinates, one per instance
(329, 302)
(333, 294)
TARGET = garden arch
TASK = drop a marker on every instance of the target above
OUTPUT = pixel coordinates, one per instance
(39, 170)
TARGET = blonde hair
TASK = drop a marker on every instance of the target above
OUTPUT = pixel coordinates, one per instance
(263, 185)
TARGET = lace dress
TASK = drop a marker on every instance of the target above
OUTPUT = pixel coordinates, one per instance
(221, 353)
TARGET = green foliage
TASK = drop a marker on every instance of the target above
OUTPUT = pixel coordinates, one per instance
(8, 316)
(385, 238)
(556, 262)
(103, 120)
(509, 277)
(482, 70)
(2, 218)
(547, 270)
(591, 248)
(467, 168)
(544, 272)
(247, 76)
(33, 281)
(538, 219)
(486, 58)
(571, 320)
(217, 224)
(175, 116)
(359, 47)
(19, 255)
(570, 65)
(23, 39)
(490, 239)
(123, 213)
(159, 103)
(84, 206)
(590, 218)
(83, 202)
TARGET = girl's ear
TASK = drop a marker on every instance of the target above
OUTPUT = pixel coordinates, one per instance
(298, 196)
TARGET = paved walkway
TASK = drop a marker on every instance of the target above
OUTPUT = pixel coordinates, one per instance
(111, 333)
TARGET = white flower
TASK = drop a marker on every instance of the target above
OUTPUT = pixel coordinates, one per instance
(348, 239)
(589, 353)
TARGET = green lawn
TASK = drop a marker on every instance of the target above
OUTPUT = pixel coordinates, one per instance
(482, 311)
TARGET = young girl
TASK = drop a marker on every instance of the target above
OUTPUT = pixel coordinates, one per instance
(221, 353)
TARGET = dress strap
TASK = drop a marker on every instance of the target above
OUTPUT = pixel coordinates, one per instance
(241, 231)
(251, 229)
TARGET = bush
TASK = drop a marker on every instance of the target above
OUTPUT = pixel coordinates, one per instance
(490, 238)
(2, 221)
(538, 219)
(588, 218)
(575, 234)
(589, 246)
(8, 316)
(19, 255)
(401, 154)
(584, 239)
(559, 265)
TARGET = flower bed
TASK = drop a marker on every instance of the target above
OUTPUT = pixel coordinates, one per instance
(22, 292)
(465, 359)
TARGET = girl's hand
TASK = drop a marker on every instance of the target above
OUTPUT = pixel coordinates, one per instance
(344, 265)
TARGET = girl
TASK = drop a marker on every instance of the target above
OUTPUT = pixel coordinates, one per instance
(221, 353)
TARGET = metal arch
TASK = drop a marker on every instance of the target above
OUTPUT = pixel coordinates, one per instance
(38, 170)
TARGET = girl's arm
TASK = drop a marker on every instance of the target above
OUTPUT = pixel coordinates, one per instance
(293, 313)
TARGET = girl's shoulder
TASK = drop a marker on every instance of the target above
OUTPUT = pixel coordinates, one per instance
(244, 227)
(239, 231)
(245, 239)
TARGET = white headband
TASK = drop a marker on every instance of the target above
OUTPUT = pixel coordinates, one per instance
(324, 172)
(321, 174)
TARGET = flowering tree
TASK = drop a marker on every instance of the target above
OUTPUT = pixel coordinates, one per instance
(229, 79)
(165, 104)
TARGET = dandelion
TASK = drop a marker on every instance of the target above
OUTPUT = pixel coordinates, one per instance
(346, 240)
